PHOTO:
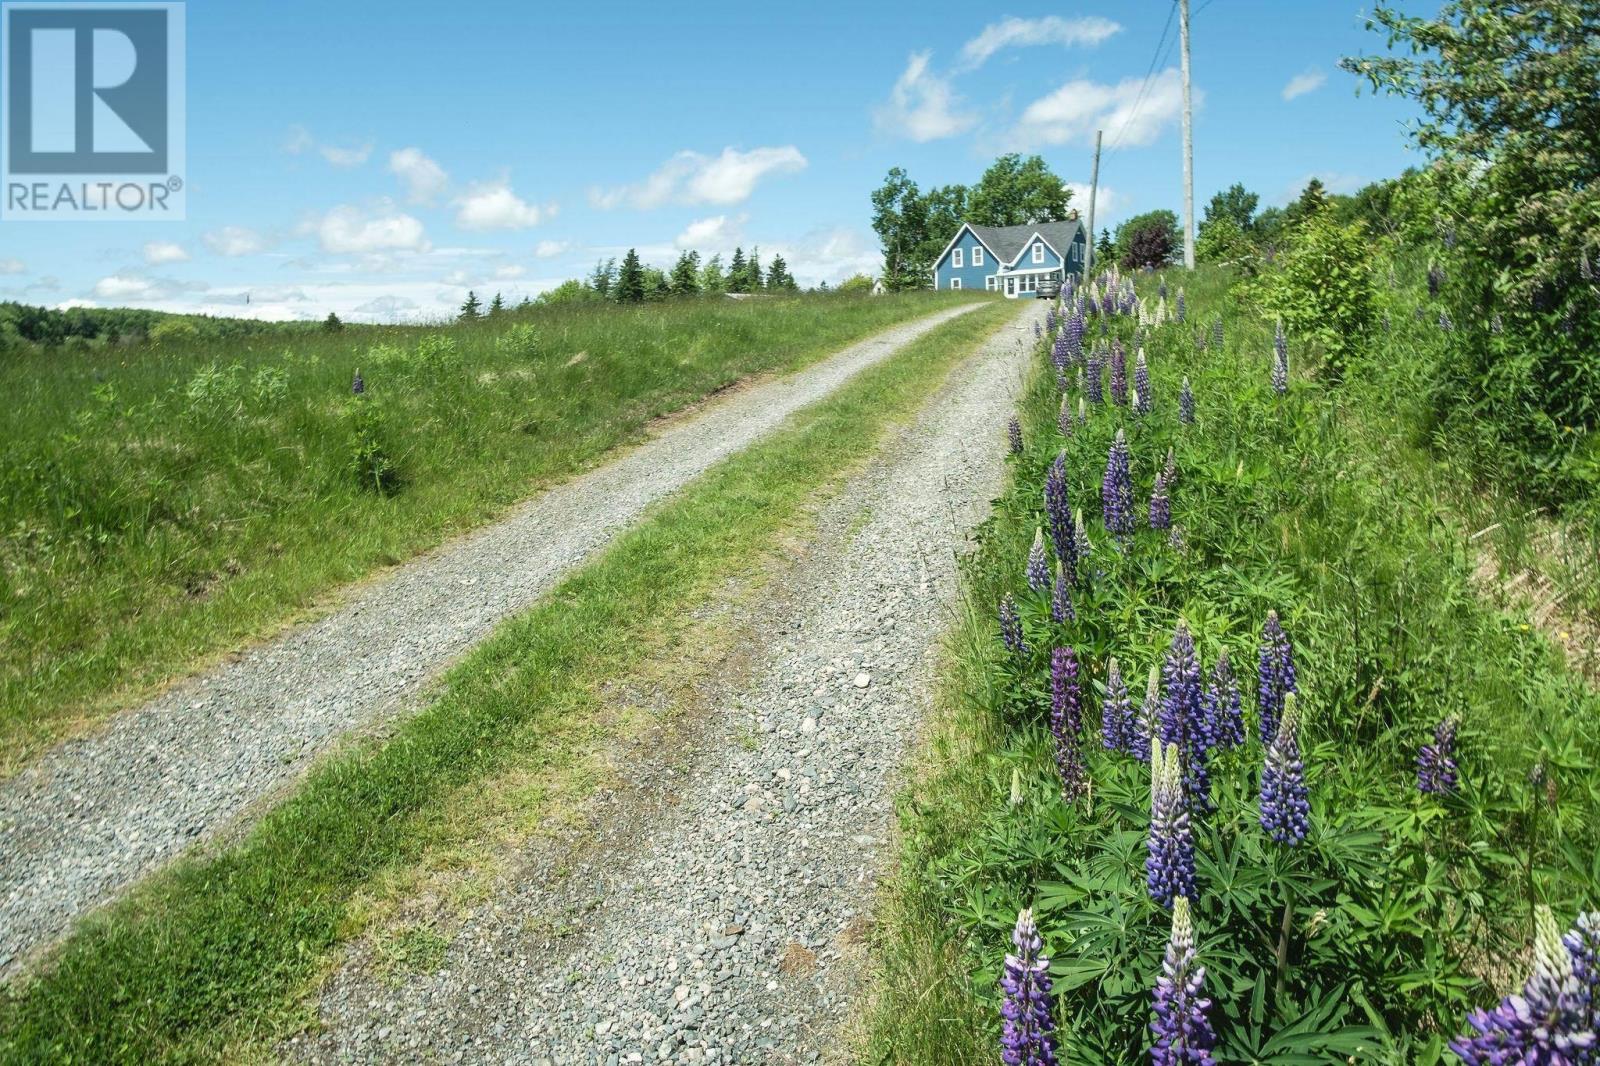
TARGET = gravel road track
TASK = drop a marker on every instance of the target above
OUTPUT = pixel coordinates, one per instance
(712, 909)
(95, 813)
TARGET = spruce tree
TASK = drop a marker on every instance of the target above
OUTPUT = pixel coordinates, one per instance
(738, 276)
(497, 306)
(630, 279)
(686, 274)
(711, 276)
(778, 277)
(331, 324)
(753, 269)
(604, 276)
(472, 310)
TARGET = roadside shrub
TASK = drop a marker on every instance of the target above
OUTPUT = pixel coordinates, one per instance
(437, 355)
(370, 460)
(1323, 289)
(521, 339)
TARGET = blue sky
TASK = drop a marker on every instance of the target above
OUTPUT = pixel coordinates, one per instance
(380, 158)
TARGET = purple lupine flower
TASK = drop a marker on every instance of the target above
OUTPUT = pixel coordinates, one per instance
(1275, 676)
(1141, 386)
(1280, 341)
(1116, 711)
(1066, 722)
(1183, 1035)
(1058, 513)
(1116, 489)
(1436, 762)
(1223, 714)
(1011, 626)
(1050, 320)
(1160, 506)
(1216, 334)
(357, 386)
(1061, 599)
(1181, 311)
(1119, 374)
(1025, 1037)
(1161, 287)
(1060, 350)
(1435, 279)
(1183, 719)
(1014, 435)
(1064, 420)
(1186, 403)
(1094, 387)
(1285, 810)
(1074, 330)
(1169, 470)
(1169, 866)
(1145, 725)
(1280, 373)
(1553, 1020)
(1061, 379)
(1038, 569)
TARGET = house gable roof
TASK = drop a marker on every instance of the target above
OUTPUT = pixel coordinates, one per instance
(966, 227)
(1009, 242)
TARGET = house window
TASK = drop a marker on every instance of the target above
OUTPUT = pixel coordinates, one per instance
(988, 282)
(1038, 252)
(955, 283)
(955, 258)
(977, 257)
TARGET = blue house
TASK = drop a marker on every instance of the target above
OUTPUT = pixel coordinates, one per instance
(1010, 259)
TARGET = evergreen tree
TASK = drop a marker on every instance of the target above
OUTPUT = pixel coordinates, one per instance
(1104, 248)
(630, 279)
(752, 268)
(711, 276)
(738, 276)
(331, 324)
(472, 310)
(656, 285)
(1312, 199)
(604, 276)
(686, 274)
(526, 303)
(778, 277)
(497, 306)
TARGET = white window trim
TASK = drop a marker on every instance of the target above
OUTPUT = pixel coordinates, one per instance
(988, 283)
(955, 283)
(977, 257)
(1038, 252)
(955, 259)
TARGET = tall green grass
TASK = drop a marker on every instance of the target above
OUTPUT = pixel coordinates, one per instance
(160, 504)
(1403, 911)
(215, 949)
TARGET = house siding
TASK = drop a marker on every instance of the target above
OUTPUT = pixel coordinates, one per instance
(971, 277)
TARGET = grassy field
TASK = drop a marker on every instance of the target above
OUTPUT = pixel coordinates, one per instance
(162, 504)
(217, 950)
(1400, 911)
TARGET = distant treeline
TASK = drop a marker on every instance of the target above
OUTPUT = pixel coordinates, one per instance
(25, 326)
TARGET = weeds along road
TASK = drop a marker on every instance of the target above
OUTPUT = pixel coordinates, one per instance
(93, 815)
(711, 911)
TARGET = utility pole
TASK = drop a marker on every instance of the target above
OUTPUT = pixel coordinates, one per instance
(1188, 141)
(1094, 186)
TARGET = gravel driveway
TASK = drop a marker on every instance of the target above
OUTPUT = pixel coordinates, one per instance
(95, 813)
(714, 913)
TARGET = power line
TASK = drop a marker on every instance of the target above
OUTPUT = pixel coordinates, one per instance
(1155, 60)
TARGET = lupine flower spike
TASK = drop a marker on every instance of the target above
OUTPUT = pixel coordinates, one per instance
(1119, 374)
(1061, 598)
(1011, 626)
(1183, 715)
(357, 386)
(1014, 435)
(1160, 506)
(1141, 385)
(1183, 1035)
(1026, 1032)
(1116, 489)
(1285, 809)
(1038, 571)
(1066, 722)
(1275, 676)
(1169, 471)
(1180, 312)
(1146, 724)
(1116, 712)
(1280, 373)
(1057, 512)
(1169, 867)
(1436, 762)
(1064, 420)
(1553, 1020)
(1094, 389)
(1224, 717)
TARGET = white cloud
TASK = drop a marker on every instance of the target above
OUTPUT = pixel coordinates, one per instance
(1052, 29)
(831, 255)
(298, 141)
(12, 266)
(425, 180)
(159, 252)
(922, 106)
(713, 234)
(492, 205)
(1074, 111)
(234, 241)
(1300, 84)
(132, 287)
(1106, 202)
(550, 249)
(693, 178)
(346, 230)
(509, 272)
(346, 157)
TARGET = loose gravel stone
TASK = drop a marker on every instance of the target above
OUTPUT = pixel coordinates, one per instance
(719, 917)
(95, 813)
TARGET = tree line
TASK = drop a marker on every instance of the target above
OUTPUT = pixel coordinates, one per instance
(633, 281)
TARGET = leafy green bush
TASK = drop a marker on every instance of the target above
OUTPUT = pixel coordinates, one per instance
(370, 462)
(1322, 289)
